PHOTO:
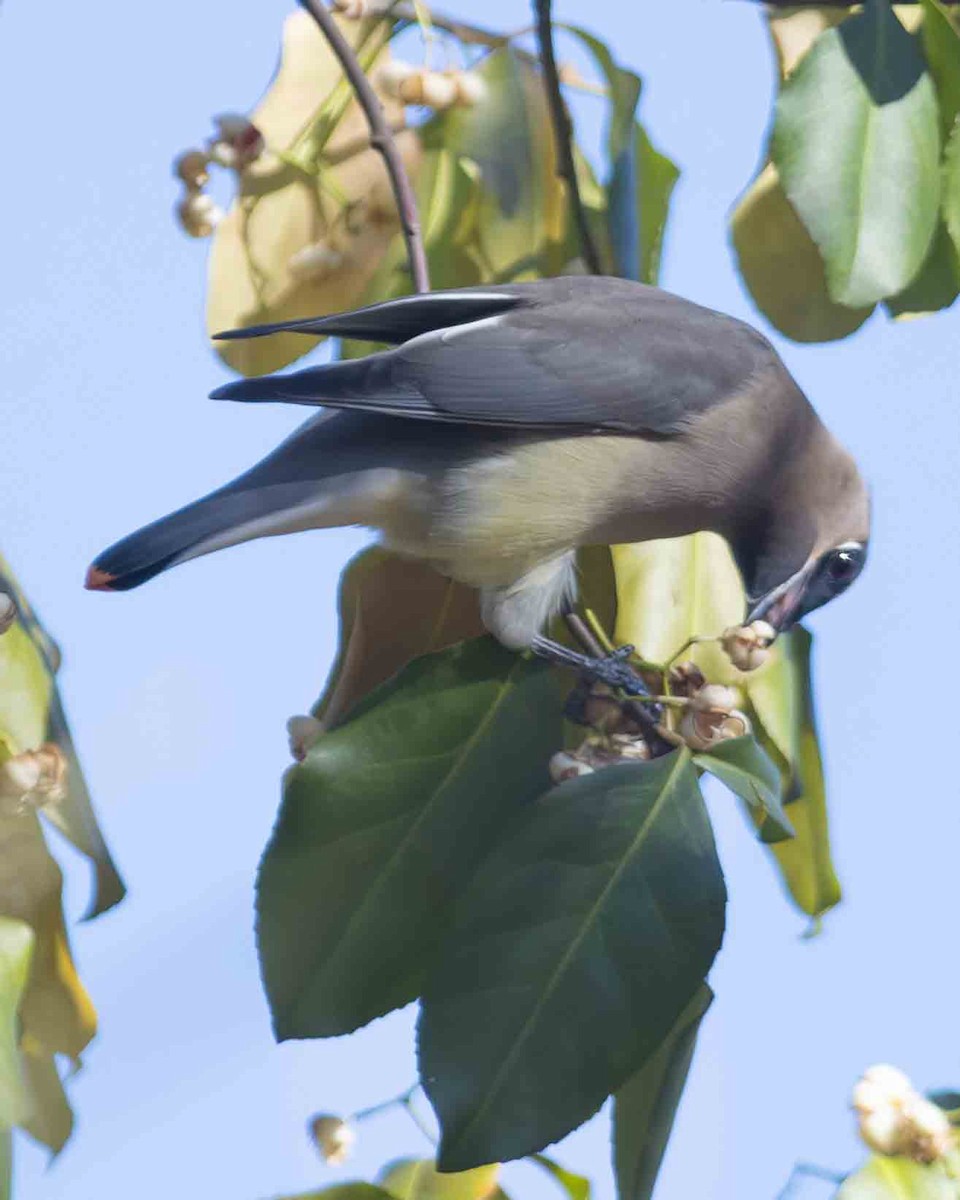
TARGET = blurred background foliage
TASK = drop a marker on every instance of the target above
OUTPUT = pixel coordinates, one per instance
(48, 1018)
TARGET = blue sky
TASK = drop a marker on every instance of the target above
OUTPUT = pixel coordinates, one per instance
(178, 692)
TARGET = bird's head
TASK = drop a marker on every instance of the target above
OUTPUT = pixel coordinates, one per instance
(811, 543)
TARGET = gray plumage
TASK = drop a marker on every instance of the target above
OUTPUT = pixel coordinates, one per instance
(510, 425)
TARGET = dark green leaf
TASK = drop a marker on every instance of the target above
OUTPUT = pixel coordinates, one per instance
(576, 1186)
(945, 1099)
(747, 770)
(937, 285)
(384, 820)
(951, 186)
(856, 141)
(419, 1179)
(897, 1179)
(645, 1107)
(941, 43)
(579, 942)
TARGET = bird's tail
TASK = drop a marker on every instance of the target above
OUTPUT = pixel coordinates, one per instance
(299, 486)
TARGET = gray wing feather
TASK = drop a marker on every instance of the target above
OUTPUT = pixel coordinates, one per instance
(581, 353)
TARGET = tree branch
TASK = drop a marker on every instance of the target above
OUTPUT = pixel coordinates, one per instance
(563, 134)
(381, 139)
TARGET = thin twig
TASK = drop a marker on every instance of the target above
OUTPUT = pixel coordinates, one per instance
(808, 1171)
(563, 135)
(473, 34)
(381, 139)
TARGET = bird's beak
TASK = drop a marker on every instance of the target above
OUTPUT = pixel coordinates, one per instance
(783, 607)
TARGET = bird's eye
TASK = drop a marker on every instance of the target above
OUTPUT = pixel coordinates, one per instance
(843, 566)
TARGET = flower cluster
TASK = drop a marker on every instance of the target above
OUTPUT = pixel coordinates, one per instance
(439, 90)
(33, 778)
(236, 144)
(895, 1119)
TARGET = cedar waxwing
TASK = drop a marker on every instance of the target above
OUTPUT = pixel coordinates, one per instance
(511, 424)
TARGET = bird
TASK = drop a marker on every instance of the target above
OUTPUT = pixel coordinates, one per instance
(505, 426)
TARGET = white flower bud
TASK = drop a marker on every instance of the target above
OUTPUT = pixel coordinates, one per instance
(303, 733)
(879, 1085)
(471, 89)
(629, 749)
(8, 612)
(430, 88)
(52, 784)
(564, 766)
(714, 698)
(927, 1135)
(703, 729)
(199, 214)
(334, 1138)
(315, 262)
(392, 75)
(224, 155)
(19, 776)
(239, 136)
(895, 1119)
(747, 645)
(191, 167)
(880, 1130)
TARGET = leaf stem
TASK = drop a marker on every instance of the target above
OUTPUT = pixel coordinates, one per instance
(563, 134)
(381, 139)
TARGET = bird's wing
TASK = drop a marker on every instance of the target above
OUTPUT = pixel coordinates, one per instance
(578, 353)
(393, 321)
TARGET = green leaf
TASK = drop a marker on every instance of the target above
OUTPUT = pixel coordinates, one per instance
(856, 141)
(782, 701)
(576, 1186)
(343, 1191)
(640, 179)
(936, 287)
(645, 1107)
(951, 186)
(382, 824)
(897, 1179)
(576, 946)
(6, 1164)
(782, 268)
(941, 44)
(522, 212)
(50, 1120)
(746, 769)
(16, 954)
(419, 1179)
(30, 714)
